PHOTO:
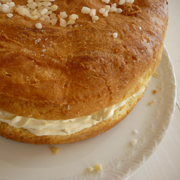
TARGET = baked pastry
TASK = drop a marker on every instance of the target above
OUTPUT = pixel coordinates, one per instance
(70, 70)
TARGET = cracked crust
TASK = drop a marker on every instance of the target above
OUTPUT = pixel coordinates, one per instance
(84, 69)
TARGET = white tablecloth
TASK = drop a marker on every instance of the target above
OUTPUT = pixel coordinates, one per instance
(164, 164)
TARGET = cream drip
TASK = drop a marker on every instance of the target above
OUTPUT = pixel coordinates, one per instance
(65, 127)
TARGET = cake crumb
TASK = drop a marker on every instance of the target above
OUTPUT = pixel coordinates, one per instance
(154, 91)
(98, 167)
(55, 150)
(150, 103)
(159, 86)
(135, 131)
(134, 142)
(90, 169)
(155, 75)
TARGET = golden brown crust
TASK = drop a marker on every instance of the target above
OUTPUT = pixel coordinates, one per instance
(84, 69)
(22, 135)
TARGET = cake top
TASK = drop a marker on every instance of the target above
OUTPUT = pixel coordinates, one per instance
(62, 59)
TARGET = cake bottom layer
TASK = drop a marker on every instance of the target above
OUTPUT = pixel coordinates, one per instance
(23, 135)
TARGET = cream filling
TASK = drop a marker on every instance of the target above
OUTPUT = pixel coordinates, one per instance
(65, 127)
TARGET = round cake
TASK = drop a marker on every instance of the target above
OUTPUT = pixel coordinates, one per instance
(70, 70)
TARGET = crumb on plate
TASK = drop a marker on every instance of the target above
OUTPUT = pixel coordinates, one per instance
(155, 75)
(90, 169)
(55, 150)
(150, 103)
(154, 91)
(98, 167)
(134, 142)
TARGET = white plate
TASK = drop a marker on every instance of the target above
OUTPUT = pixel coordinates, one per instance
(112, 149)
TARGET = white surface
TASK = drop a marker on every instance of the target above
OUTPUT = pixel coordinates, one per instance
(112, 149)
(165, 162)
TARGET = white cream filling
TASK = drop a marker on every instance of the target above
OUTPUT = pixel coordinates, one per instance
(64, 127)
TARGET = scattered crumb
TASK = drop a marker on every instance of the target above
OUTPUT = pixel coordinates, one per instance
(159, 86)
(55, 150)
(150, 103)
(90, 169)
(135, 131)
(154, 91)
(134, 142)
(152, 130)
(155, 75)
(98, 167)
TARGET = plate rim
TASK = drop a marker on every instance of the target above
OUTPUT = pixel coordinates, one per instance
(154, 149)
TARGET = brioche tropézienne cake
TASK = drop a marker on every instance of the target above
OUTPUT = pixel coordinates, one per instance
(73, 69)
